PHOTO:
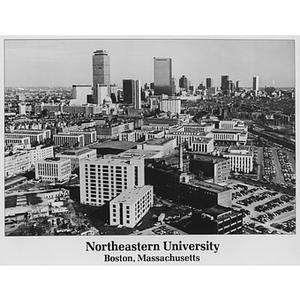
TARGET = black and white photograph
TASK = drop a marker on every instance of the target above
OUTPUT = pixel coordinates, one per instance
(149, 137)
(140, 149)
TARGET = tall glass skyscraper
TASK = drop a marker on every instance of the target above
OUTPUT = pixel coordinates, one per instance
(132, 92)
(162, 76)
(101, 71)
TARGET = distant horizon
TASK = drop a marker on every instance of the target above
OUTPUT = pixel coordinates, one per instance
(67, 62)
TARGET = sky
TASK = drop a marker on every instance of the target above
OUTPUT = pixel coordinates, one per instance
(64, 62)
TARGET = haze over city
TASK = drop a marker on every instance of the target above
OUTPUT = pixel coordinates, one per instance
(67, 62)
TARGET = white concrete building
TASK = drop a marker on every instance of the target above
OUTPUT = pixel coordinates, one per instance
(39, 152)
(16, 140)
(103, 179)
(230, 136)
(165, 146)
(34, 135)
(241, 159)
(130, 207)
(77, 155)
(204, 145)
(80, 92)
(53, 169)
(68, 139)
(171, 105)
(17, 163)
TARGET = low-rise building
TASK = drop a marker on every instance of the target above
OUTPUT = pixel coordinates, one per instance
(130, 207)
(215, 167)
(16, 140)
(77, 155)
(165, 146)
(241, 158)
(53, 169)
(34, 135)
(39, 152)
(220, 220)
(204, 145)
(69, 139)
(17, 163)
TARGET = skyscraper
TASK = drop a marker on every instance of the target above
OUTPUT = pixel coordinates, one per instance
(224, 83)
(101, 71)
(132, 92)
(255, 84)
(208, 83)
(162, 76)
(173, 86)
(183, 82)
(237, 85)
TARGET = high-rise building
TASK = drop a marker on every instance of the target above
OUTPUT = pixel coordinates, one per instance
(103, 179)
(237, 85)
(183, 82)
(255, 84)
(173, 86)
(224, 83)
(101, 71)
(162, 76)
(102, 91)
(132, 92)
(208, 83)
(230, 86)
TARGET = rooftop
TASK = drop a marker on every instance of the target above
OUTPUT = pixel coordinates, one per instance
(217, 210)
(228, 130)
(132, 195)
(160, 141)
(208, 186)
(207, 157)
(147, 154)
(123, 145)
(76, 151)
(202, 140)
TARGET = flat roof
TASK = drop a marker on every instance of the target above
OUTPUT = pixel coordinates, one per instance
(160, 141)
(113, 160)
(217, 210)
(123, 145)
(228, 130)
(147, 154)
(68, 134)
(208, 186)
(76, 151)
(132, 195)
(207, 157)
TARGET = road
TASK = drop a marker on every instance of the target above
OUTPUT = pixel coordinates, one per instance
(278, 174)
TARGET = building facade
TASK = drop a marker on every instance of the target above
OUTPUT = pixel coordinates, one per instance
(17, 163)
(103, 179)
(16, 140)
(130, 207)
(171, 105)
(69, 139)
(101, 71)
(77, 155)
(241, 159)
(53, 169)
(132, 93)
(162, 76)
(80, 92)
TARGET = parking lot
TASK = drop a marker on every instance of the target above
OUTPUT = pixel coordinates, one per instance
(264, 208)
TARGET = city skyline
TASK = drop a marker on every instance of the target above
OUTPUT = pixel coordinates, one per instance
(30, 63)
